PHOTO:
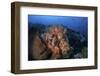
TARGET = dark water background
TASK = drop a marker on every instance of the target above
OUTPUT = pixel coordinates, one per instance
(78, 24)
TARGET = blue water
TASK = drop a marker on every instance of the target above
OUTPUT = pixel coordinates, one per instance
(79, 24)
